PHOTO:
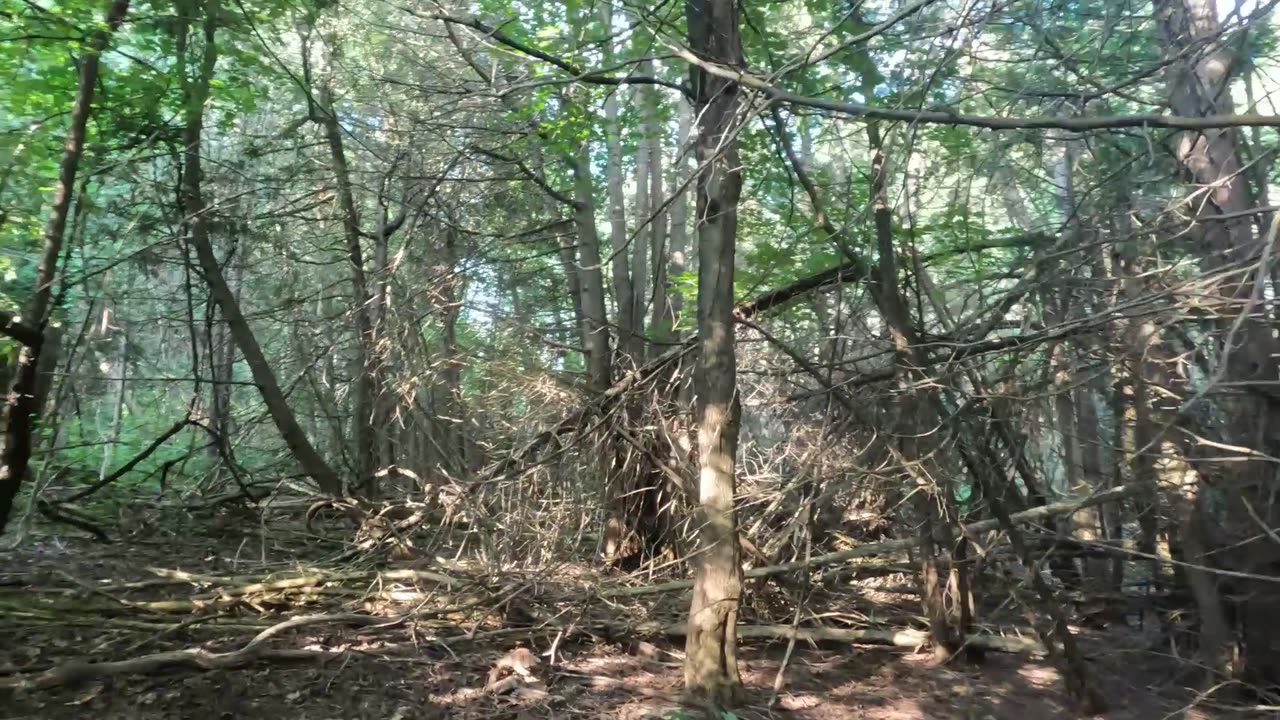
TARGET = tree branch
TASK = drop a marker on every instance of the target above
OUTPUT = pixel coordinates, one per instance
(123, 469)
(555, 194)
(943, 117)
(592, 77)
(11, 326)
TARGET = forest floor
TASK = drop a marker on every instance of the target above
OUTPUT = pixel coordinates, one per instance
(65, 600)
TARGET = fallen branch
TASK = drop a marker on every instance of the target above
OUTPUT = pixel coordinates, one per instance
(905, 638)
(1064, 507)
(79, 671)
(133, 462)
(846, 272)
(312, 583)
(61, 515)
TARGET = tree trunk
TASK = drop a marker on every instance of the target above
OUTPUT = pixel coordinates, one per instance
(595, 320)
(640, 251)
(365, 386)
(222, 355)
(564, 244)
(384, 402)
(196, 94)
(711, 662)
(623, 279)
(660, 324)
(116, 375)
(1198, 76)
(679, 236)
(920, 413)
(451, 372)
(21, 405)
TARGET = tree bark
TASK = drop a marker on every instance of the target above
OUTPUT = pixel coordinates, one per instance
(1199, 86)
(365, 384)
(21, 405)
(595, 319)
(660, 323)
(711, 663)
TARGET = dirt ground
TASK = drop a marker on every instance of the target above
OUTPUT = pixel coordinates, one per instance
(409, 676)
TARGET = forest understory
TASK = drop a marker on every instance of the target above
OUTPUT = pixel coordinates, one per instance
(180, 623)
(708, 358)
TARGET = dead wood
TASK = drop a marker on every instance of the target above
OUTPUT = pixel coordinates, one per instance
(904, 637)
(886, 547)
(79, 671)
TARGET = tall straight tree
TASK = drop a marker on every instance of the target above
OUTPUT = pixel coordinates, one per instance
(365, 385)
(624, 280)
(711, 662)
(21, 405)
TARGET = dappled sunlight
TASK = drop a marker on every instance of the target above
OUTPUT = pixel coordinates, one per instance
(883, 359)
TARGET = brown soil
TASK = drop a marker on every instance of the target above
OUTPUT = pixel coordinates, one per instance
(404, 675)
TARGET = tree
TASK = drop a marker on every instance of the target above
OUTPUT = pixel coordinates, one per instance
(20, 408)
(711, 660)
(196, 90)
(1226, 247)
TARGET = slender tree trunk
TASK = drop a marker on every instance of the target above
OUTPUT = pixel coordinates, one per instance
(590, 289)
(116, 375)
(711, 662)
(47, 370)
(365, 386)
(595, 318)
(222, 354)
(1145, 448)
(623, 279)
(568, 252)
(679, 236)
(384, 400)
(919, 419)
(660, 323)
(21, 406)
(640, 251)
(196, 95)
(451, 373)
